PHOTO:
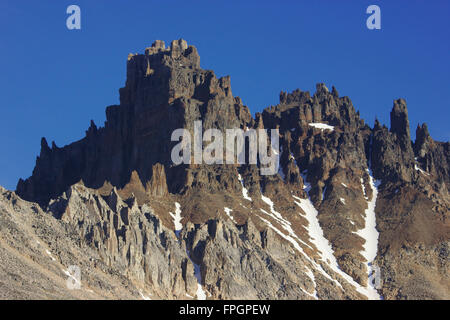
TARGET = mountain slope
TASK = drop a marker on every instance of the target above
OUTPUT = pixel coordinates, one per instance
(319, 228)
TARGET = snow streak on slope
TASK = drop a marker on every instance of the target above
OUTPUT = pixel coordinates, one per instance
(201, 295)
(296, 246)
(315, 231)
(244, 190)
(292, 238)
(50, 255)
(283, 222)
(311, 276)
(370, 234)
(318, 239)
(73, 278)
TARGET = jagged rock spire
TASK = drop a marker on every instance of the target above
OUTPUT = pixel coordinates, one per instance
(399, 119)
(44, 146)
(422, 137)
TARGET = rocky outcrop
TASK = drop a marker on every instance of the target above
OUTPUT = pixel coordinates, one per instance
(165, 90)
(432, 156)
(392, 153)
(37, 252)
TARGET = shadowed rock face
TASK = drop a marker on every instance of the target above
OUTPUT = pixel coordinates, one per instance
(250, 235)
(165, 90)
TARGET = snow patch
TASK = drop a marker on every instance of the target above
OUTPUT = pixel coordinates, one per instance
(228, 212)
(312, 295)
(50, 255)
(143, 296)
(420, 170)
(177, 218)
(321, 126)
(364, 189)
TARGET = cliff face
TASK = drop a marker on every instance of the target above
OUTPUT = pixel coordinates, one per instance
(165, 90)
(348, 199)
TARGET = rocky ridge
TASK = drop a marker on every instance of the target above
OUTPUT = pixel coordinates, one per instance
(305, 233)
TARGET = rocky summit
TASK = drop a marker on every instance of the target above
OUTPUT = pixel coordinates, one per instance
(354, 212)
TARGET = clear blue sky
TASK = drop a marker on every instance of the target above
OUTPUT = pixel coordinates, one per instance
(53, 81)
